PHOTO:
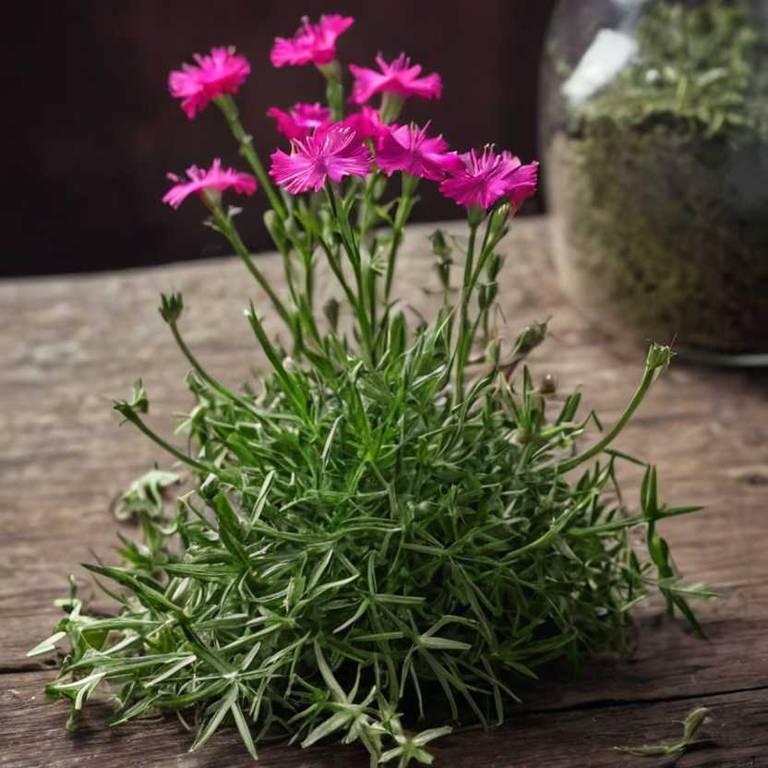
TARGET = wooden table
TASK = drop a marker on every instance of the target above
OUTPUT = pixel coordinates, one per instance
(70, 344)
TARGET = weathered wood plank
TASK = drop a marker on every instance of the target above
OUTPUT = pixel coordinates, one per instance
(71, 344)
(565, 739)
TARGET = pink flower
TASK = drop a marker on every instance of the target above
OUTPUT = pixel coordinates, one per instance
(522, 183)
(399, 77)
(222, 71)
(407, 148)
(366, 123)
(487, 177)
(312, 43)
(301, 119)
(329, 153)
(215, 179)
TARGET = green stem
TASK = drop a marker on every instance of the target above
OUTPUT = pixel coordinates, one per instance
(347, 236)
(309, 280)
(364, 313)
(485, 251)
(658, 358)
(290, 388)
(228, 229)
(461, 352)
(404, 207)
(134, 418)
(334, 93)
(212, 382)
(229, 109)
(494, 233)
(365, 219)
(337, 271)
(359, 310)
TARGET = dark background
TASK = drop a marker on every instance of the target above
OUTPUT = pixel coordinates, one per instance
(91, 130)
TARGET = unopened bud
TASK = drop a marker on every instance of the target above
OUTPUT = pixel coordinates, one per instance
(331, 312)
(499, 220)
(482, 296)
(548, 385)
(493, 352)
(495, 265)
(276, 229)
(440, 245)
(171, 306)
(531, 337)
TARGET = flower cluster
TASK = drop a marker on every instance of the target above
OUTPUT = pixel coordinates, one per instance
(363, 142)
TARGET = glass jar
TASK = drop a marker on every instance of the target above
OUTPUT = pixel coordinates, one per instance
(655, 138)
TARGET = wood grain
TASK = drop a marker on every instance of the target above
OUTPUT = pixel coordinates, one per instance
(736, 738)
(70, 345)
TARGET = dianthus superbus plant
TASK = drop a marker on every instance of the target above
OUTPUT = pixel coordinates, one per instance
(395, 521)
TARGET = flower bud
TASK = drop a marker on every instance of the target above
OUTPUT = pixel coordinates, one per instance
(483, 296)
(171, 307)
(139, 403)
(276, 229)
(531, 337)
(493, 352)
(658, 357)
(548, 385)
(331, 312)
(495, 264)
(499, 219)
(440, 245)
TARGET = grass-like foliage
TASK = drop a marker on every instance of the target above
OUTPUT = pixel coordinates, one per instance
(390, 530)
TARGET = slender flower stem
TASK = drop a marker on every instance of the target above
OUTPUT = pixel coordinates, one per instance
(461, 342)
(334, 91)
(227, 228)
(353, 300)
(364, 217)
(658, 358)
(493, 235)
(365, 314)
(284, 244)
(212, 382)
(347, 236)
(484, 253)
(404, 207)
(229, 109)
(131, 415)
(292, 391)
